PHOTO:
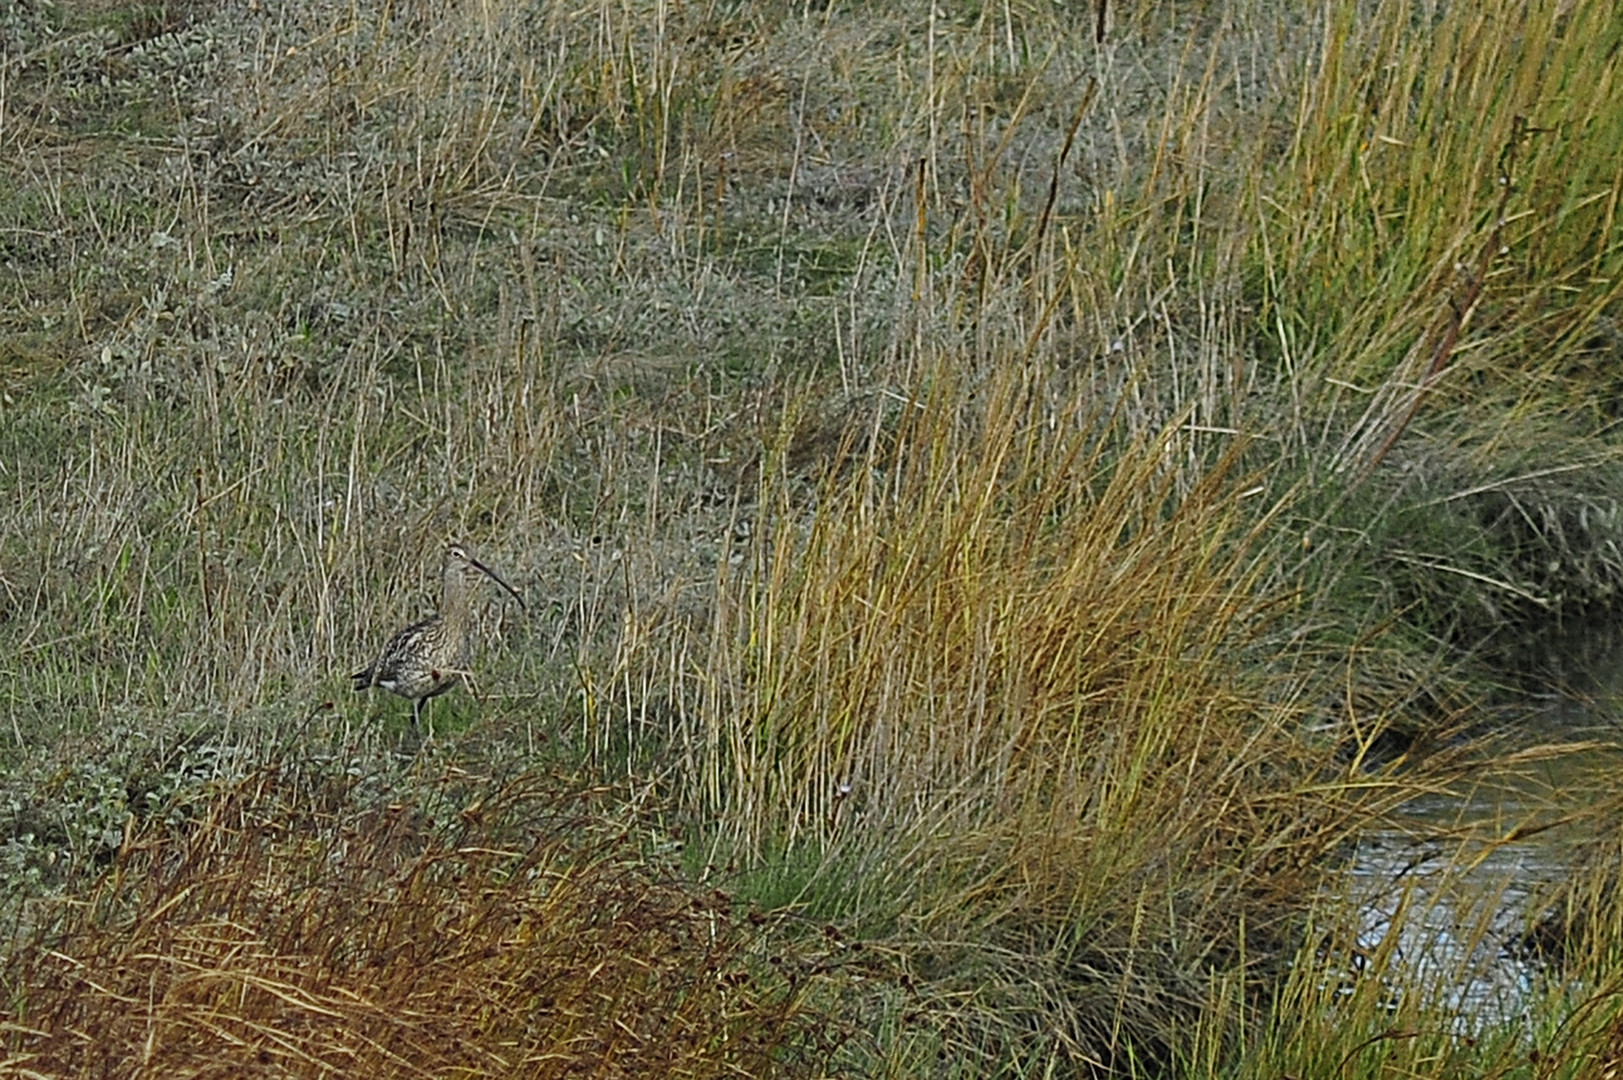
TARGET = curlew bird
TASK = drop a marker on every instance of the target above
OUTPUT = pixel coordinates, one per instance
(430, 657)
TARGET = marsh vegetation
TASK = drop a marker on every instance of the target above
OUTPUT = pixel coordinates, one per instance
(1005, 501)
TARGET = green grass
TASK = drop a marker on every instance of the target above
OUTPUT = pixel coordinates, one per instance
(1019, 502)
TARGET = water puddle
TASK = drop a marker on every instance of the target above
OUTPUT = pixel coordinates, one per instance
(1454, 876)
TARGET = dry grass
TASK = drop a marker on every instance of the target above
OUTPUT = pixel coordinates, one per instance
(990, 683)
(290, 928)
(999, 485)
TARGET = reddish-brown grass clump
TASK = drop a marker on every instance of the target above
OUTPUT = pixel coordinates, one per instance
(276, 934)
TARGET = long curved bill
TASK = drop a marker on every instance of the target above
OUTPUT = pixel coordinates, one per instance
(493, 576)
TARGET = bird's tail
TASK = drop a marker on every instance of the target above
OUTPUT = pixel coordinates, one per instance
(363, 679)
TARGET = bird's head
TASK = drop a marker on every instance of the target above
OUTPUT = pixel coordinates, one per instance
(459, 562)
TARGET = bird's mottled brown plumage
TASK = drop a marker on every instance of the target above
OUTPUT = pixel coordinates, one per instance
(430, 657)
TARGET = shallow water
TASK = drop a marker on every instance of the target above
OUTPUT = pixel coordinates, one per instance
(1454, 876)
